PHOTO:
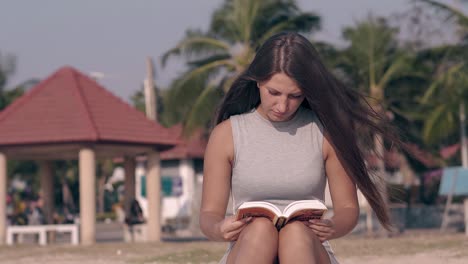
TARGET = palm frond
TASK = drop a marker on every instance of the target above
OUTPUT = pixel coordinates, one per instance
(196, 45)
(189, 86)
(245, 12)
(398, 68)
(440, 83)
(180, 97)
(220, 27)
(372, 48)
(305, 22)
(203, 109)
(209, 68)
(451, 12)
(208, 60)
(440, 123)
(226, 83)
(234, 20)
(409, 114)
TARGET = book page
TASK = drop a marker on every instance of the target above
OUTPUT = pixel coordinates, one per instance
(258, 209)
(306, 215)
(256, 212)
(304, 210)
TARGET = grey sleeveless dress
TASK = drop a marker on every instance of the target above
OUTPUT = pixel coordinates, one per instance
(279, 162)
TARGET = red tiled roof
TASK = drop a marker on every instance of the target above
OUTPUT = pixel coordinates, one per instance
(193, 147)
(450, 151)
(392, 160)
(425, 157)
(71, 107)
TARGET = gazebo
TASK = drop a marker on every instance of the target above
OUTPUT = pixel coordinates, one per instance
(69, 116)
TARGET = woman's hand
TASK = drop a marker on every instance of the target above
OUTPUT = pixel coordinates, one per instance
(323, 228)
(230, 229)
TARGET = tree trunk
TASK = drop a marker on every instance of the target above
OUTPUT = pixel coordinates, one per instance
(378, 178)
(150, 93)
(376, 93)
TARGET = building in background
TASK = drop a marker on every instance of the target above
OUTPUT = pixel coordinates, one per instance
(181, 178)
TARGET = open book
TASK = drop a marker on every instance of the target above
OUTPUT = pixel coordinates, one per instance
(302, 210)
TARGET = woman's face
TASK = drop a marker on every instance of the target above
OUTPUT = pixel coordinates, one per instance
(280, 97)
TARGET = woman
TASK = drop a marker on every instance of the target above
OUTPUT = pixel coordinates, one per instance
(284, 128)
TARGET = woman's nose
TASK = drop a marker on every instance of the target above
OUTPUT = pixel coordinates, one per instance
(282, 106)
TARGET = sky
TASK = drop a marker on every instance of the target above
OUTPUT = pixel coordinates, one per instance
(114, 37)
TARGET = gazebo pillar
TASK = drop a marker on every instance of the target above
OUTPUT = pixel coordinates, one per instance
(153, 187)
(87, 167)
(47, 188)
(129, 183)
(48, 197)
(3, 194)
(187, 171)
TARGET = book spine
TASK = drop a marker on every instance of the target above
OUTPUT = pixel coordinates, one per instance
(280, 223)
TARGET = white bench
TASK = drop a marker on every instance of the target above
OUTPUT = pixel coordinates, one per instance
(41, 230)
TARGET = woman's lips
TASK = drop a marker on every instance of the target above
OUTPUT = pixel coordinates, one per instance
(279, 114)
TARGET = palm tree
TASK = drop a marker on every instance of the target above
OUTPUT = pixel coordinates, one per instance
(216, 57)
(371, 62)
(449, 90)
(7, 68)
(446, 99)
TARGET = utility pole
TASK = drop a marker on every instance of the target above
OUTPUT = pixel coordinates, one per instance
(149, 91)
(153, 170)
(464, 156)
(463, 145)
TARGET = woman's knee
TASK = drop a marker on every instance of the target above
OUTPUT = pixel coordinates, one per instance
(260, 229)
(299, 244)
(297, 231)
(257, 243)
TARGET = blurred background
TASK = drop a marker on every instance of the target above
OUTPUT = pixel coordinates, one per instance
(408, 55)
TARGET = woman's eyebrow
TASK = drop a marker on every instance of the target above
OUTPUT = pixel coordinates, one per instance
(271, 88)
(274, 90)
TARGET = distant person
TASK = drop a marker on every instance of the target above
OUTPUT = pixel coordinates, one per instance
(135, 214)
(20, 214)
(285, 127)
(35, 213)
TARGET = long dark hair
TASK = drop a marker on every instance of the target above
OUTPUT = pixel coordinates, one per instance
(341, 110)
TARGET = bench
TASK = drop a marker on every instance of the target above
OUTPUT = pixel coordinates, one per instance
(41, 230)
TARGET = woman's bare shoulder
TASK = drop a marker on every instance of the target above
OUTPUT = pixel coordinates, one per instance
(222, 130)
(221, 141)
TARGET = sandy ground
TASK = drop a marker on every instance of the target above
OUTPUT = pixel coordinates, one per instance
(423, 247)
(428, 248)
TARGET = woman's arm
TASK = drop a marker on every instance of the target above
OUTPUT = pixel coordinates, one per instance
(219, 155)
(344, 197)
